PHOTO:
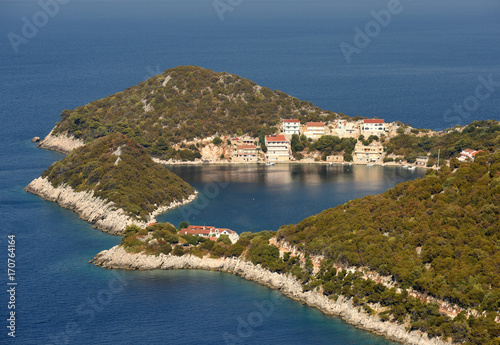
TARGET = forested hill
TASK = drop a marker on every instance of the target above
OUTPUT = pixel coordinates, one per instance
(187, 102)
(118, 169)
(439, 235)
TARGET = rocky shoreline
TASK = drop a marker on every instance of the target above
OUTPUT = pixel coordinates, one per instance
(61, 143)
(118, 258)
(64, 143)
(103, 214)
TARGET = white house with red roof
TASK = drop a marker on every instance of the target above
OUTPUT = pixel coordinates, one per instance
(278, 148)
(291, 126)
(468, 155)
(314, 130)
(209, 232)
(373, 127)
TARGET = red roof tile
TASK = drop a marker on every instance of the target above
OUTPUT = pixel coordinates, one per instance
(279, 137)
(315, 124)
(374, 121)
(202, 230)
(242, 147)
(291, 120)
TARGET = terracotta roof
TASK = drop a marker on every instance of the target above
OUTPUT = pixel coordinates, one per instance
(228, 230)
(291, 120)
(374, 121)
(196, 230)
(279, 137)
(315, 124)
(202, 230)
(470, 152)
(242, 147)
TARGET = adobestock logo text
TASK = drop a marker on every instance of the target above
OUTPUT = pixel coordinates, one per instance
(30, 26)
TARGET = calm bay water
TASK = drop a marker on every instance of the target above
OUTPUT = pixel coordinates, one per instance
(427, 59)
(258, 197)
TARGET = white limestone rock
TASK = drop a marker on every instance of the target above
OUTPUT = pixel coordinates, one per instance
(118, 258)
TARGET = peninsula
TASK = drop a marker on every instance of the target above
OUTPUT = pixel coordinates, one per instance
(189, 114)
(111, 183)
(418, 263)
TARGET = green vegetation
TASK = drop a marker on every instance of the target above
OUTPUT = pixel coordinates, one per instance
(185, 103)
(118, 169)
(479, 135)
(332, 145)
(327, 144)
(437, 235)
(391, 305)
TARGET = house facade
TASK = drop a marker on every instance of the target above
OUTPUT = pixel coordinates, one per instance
(314, 130)
(291, 126)
(209, 232)
(335, 158)
(468, 155)
(373, 127)
(346, 129)
(373, 153)
(278, 148)
(246, 153)
(422, 160)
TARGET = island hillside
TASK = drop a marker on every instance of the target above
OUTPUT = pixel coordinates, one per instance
(189, 113)
(424, 255)
(117, 171)
(182, 104)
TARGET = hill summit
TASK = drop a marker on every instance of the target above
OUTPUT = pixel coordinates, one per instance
(185, 103)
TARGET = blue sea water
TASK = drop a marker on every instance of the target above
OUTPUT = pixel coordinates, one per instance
(427, 58)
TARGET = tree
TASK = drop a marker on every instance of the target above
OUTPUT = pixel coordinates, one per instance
(224, 239)
(183, 225)
(217, 141)
(454, 163)
(348, 157)
(295, 143)
(131, 230)
(178, 251)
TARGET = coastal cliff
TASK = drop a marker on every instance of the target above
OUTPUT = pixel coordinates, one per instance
(63, 142)
(103, 214)
(118, 258)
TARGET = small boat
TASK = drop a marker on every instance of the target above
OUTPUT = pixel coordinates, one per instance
(270, 163)
(405, 166)
(370, 165)
(411, 168)
(330, 164)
